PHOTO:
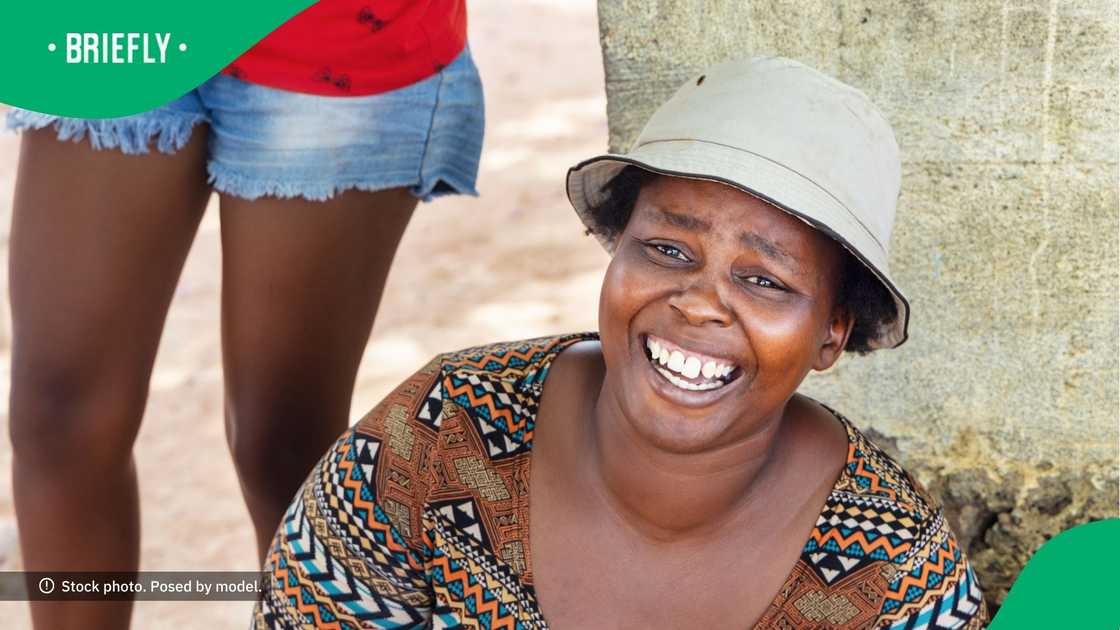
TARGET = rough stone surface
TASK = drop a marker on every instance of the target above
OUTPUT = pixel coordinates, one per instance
(1005, 399)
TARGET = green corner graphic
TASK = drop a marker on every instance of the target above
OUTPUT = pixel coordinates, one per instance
(1072, 581)
(55, 53)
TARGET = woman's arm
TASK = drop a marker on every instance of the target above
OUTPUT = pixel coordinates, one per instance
(349, 552)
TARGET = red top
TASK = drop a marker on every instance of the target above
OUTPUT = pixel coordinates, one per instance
(357, 47)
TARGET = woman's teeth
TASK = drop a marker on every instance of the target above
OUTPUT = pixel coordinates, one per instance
(683, 384)
(673, 364)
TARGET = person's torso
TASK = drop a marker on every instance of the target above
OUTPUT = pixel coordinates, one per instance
(357, 47)
(879, 551)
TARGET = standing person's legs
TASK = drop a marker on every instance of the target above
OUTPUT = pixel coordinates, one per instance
(97, 244)
(301, 282)
(304, 264)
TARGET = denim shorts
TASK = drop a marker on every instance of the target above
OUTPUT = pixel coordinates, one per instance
(264, 141)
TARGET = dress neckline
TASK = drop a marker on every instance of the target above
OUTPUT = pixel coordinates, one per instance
(540, 371)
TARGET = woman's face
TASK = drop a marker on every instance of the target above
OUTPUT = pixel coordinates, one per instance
(714, 308)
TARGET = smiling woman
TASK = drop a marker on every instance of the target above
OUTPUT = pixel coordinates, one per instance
(662, 472)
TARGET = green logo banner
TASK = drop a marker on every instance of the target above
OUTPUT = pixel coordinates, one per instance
(1070, 582)
(106, 59)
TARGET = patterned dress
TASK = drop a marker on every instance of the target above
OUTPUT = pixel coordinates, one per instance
(418, 517)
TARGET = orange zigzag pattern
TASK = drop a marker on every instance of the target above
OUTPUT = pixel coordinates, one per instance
(876, 481)
(312, 609)
(859, 538)
(345, 467)
(927, 567)
(495, 412)
(474, 591)
(480, 363)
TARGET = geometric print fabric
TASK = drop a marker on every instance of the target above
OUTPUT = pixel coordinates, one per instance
(418, 517)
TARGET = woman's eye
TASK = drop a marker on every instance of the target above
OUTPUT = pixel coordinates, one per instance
(670, 251)
(763, 282)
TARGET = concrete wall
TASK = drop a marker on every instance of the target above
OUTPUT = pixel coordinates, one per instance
(1004, 400)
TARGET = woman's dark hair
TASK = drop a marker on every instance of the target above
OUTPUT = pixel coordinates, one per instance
(860, 292)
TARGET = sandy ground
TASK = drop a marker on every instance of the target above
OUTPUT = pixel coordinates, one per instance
(510, 264)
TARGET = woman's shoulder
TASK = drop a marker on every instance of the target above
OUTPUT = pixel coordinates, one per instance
(879, 514)
(454, 439)
(872, 473)
(496, 388)
(510, 360)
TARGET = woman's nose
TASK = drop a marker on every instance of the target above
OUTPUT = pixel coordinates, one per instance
(701, 304)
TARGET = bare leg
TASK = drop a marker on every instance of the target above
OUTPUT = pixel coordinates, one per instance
(301, 282)
(98, 240)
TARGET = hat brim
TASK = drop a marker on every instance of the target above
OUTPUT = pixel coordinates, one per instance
(757, 176)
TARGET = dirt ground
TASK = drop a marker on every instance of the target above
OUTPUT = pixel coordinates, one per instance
(511, 264)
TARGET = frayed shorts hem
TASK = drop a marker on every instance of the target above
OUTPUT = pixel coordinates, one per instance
(230, 182)
(132, 135)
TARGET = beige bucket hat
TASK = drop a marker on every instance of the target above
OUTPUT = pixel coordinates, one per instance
(781, 131)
